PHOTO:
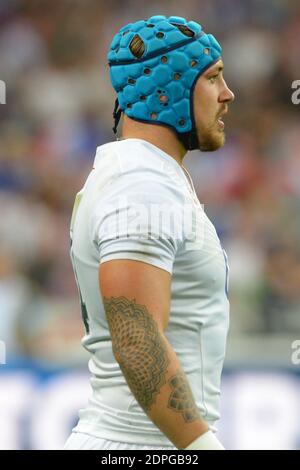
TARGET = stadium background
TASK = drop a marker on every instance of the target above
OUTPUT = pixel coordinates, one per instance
(58, 109)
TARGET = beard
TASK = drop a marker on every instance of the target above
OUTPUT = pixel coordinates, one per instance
(210, 139)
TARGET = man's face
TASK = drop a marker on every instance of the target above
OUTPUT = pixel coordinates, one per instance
(211, 98)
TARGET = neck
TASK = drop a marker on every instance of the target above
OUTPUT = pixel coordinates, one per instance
(160, 136)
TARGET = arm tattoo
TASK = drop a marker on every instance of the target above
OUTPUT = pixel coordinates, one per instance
(138, 344)
(181, 398)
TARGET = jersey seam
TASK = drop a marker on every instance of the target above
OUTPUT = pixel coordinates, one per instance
(202, 374)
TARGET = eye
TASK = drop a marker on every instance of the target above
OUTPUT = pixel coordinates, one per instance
(213, 78)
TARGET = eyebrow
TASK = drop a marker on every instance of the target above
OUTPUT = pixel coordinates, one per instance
(218, 70)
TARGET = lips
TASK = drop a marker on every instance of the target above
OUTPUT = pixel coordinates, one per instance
(221, 124)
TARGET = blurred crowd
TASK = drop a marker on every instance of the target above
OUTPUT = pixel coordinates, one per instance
(58, 109)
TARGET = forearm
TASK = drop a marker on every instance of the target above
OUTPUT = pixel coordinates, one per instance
(159, 384)
(153, 371)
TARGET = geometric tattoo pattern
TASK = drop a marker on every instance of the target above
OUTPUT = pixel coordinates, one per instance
(181, 399)
(139, 347)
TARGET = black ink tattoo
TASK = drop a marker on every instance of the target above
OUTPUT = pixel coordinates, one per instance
(181, 398)
(138, 347)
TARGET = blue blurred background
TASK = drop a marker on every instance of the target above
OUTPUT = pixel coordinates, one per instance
(58, 109)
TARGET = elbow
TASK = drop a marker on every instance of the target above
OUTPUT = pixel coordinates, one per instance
(125, 353)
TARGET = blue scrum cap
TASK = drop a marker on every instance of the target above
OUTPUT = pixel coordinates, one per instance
(156, 86)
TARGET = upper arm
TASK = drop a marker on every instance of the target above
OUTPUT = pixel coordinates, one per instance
(136, 296)
(136, 255)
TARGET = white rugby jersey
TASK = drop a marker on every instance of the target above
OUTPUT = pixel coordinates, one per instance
(138, 203)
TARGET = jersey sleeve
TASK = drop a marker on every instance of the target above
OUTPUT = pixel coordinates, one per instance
(139, 220)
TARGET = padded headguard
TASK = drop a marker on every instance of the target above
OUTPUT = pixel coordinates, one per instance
(156, 86)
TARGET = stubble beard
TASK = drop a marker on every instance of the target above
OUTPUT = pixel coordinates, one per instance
(210, 139)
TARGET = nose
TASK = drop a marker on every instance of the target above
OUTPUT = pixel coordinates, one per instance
(226, 95)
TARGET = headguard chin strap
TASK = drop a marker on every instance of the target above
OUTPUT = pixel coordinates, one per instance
(189, 139)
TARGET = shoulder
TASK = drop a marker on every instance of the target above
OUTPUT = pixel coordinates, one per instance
(145, 187)
(142, 168)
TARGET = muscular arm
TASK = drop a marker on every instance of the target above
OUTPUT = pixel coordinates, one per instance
(137, 299)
